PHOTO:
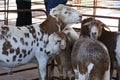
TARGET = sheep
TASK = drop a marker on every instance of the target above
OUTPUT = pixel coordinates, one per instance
(60, 14)
(69, 31)
(96, 30)
(60, 43)
(72, 34)
(21, 45)
(90, 59)
(66, 14)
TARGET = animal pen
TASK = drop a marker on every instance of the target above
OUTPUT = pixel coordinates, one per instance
(88, 8)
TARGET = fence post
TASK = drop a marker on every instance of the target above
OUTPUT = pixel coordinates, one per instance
(78, 2)
(119, 24)
(94, 9)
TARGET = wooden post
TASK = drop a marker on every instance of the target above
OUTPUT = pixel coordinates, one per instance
(78, 2)
(6, 7)
(4, 12)
(119, 24)
(95, 5)
(7, 12)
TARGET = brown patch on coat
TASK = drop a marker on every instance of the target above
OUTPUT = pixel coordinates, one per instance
(24, 51)
(26, 35)
(15, 39)
(12, 50)
(22, 40)
(7, 60)
(4, 32)
(5, 29)
(30, 51)
(86, 20)
(17, 51)
(32, 43)
(20, 56)
(14, 58)
(50, 25)
(26, 43)
(41, 49)
(32, 31)
(6, 45)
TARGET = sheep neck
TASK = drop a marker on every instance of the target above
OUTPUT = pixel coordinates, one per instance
(51, 25)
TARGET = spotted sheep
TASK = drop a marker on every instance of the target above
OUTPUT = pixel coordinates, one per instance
(98, 30)
(21, 45)
(90, 59)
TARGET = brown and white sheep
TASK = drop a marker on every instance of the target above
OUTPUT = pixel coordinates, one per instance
(60, 43)
(96, 30)
(73, 36)
(21, 45)
(90, 60)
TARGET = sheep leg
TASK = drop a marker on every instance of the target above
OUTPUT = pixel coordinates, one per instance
(107, 74)
(50, 69)
(70, 75)
(118, 74)
(60, 69)
(111, 72)
(42, 64)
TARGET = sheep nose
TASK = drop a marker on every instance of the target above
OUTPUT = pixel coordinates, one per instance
(94, 33)
(48, 52)
(80, 16)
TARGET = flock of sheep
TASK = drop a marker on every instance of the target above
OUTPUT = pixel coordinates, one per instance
(91, 55)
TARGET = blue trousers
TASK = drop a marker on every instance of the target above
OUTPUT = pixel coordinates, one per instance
(53, 3)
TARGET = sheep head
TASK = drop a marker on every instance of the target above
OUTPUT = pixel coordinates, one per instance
(57, 41)
(93, 28)
(66, 14)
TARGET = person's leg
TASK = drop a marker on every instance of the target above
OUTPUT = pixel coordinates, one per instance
(53, 3)
(46, 3)
(28, 15)
(24, 18)
(19, 14)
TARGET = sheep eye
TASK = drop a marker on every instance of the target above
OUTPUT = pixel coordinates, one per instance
(55, 15)
(57, 42)
(65, 12)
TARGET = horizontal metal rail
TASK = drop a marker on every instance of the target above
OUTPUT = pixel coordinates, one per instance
(16, 71)
(78, 5)
(22, 10)
(110, 17)
(101, 7)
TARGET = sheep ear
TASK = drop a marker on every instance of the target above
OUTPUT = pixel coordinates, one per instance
(63, 44)
(87, 23)
(56, 10)
(60, 7)
(54, 13)
(105, 26)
